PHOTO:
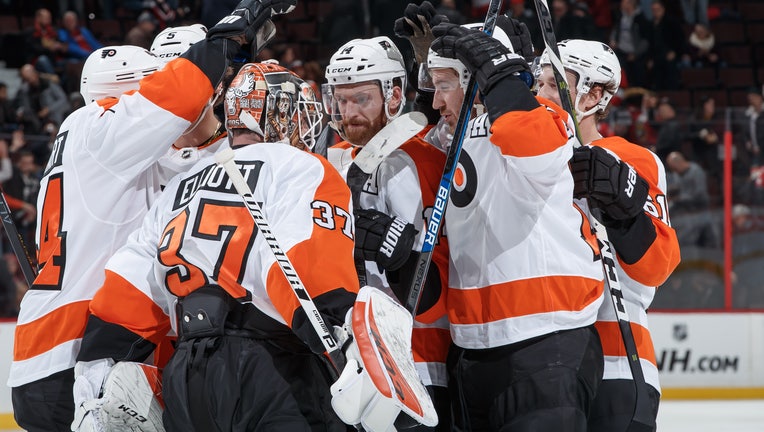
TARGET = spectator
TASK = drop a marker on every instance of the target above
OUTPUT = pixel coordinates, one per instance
(689, 202)
(79, 40)
(528, 16)
(695, 11)
(666, 48)
(630, 41)
(706, 132)
(6, 167)
(448, 8)
(701, 50)
(7, 112)
(77, 6)
(142, 34)
(754, 130)
(40, 100)
(669, 130)
(24, 185)
(602, 17)
(43, 46)
(572, 21)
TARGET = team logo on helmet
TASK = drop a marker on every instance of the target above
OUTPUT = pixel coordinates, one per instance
(109, 52)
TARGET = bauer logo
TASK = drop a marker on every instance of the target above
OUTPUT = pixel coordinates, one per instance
(109, 52)
(214, 178)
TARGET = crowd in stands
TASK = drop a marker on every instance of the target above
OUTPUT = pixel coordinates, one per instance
(686, 65)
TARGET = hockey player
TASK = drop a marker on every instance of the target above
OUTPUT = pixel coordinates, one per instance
(645, 244)
(96, 187)
(171, 42)
(247, 357)
(524, 286)
(366, 79)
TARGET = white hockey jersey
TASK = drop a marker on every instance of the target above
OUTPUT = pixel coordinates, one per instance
(199, 232)
(100, 180)
(522, 256)
(640, 270)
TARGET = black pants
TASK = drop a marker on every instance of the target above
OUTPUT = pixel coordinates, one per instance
(241, 384)
(543, 384)
(45, 405)
(614, 405)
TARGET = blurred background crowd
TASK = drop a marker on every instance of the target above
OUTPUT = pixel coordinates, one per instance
(693, 69)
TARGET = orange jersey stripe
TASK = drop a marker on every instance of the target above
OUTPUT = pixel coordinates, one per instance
(513, 131)
(522, 297)
(181, 96)
(612, 343)
(43, 334)
(430, 344)
(118, 301)
(319, 271)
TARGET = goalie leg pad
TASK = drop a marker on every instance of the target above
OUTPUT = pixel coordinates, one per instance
(131, 398)
(382, 348)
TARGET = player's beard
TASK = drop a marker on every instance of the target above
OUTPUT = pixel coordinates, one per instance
(361, 130)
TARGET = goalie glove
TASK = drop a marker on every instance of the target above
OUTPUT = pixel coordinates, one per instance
(123, 397)
(383, 239)
(379, 380)
(250, 20)
(610, 185)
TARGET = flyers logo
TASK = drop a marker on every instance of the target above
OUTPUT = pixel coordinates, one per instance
(465, 181)
(109, 52)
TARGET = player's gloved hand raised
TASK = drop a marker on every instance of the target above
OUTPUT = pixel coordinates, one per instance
(250, 20)
(416, 25)
(484, 56)
(383, 239)
(610, 185)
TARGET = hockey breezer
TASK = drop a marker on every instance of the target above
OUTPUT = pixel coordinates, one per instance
(446, 182)
(225, 159)
(17, 243)
(642, 419)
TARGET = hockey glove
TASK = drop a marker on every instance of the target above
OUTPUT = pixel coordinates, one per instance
(487, 58)
(251, 21)
(383, 239)
(610, 185)
(416, 25)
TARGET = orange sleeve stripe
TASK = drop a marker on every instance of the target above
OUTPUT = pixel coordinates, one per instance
(430, 344)
(522, 297)
(119, 302)
(660, 260)
(528, 133)
(180, 87)
(45, 333)
(612, 343)
(324, 262)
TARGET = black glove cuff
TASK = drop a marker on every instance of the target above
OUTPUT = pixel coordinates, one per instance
(508, 94)
(632, 238)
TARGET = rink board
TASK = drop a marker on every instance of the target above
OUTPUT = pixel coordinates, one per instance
(700, 356)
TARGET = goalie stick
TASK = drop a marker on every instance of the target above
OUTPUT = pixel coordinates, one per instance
(389, 138)
(446, 181)
(642, 419)
(224, 158)
(17, 243)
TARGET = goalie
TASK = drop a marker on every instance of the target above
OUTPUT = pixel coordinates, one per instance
(247, 357)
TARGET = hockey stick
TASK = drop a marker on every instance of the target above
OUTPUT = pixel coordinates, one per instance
(17, 243)
(224, 158)
(446, 180)
(642, 420)
(389, 138)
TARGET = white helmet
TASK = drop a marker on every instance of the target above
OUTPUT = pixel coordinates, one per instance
(435, 61)
(113, 70)
(174, 41)
(595, 63)
(362, 60)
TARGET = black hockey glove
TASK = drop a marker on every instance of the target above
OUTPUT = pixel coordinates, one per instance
(251, 20)
(383, 239)
(610, 185)
(416, 25)
(484, 56)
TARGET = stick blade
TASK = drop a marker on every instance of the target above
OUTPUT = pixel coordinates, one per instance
(392, 136)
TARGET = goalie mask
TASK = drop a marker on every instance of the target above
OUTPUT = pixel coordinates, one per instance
(594, 63)
(275, 103)
(360, 61)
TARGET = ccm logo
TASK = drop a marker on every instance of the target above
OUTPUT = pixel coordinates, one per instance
(340, 70)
